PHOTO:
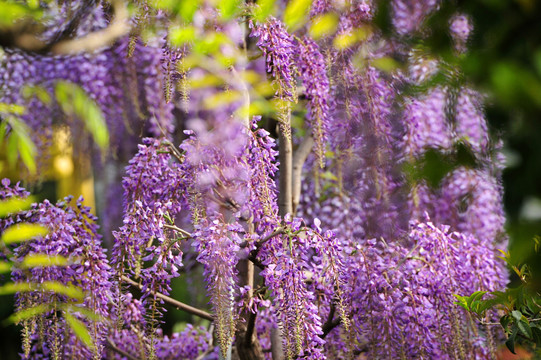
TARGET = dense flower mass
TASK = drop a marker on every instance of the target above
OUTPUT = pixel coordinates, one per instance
(347, 247)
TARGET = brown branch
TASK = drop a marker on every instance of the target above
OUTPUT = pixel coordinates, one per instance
(112, 346)
(177, 304)
(299, 158)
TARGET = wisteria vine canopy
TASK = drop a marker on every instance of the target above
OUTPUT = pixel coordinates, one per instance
(270, 154)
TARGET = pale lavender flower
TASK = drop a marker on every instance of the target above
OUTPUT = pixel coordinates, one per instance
(426, 123)
(460, 28)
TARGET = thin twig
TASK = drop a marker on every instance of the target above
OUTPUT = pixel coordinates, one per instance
(112, 346)
(177, 229)
(278, 231)
(177, 304)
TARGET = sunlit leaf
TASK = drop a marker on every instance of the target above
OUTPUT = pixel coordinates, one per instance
(23, 232)
(79, 329)
(386, 64)
(14, 205)
(211, 43)
(12, 109)
(296, 13)
(87, 313)
(29, 313)
(179, 36)
(228, 8)
(323, 25)
(38, 260)
(70, 291)
(263, 9)
(221, 99)
(12, 288)
(75, 101)
(207, 80)
(40, 92)
(5, 267)
(344, 41)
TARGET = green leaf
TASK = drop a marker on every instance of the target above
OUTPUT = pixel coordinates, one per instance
(386, 64)
(42, 260)
(28, 313)
(87, 313)
(5, 267)
(27, 151)
(462, 301)
(179, 36)
(524, 328)
(14, 205)
(22, 232)
(517, 315)
(70, 291)
(79, 329)
(75, 101)
(296, 13)
(12, 288)
(228, 8)
(12, 146)
(323, 25)
(504, 321)
(12, 109)
(263, 9)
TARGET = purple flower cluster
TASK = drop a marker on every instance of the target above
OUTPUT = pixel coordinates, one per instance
(402, 300)
(408, 15)
(72, 235)
(217, 244)
(279, 49)
(313, 69)
(151, 202)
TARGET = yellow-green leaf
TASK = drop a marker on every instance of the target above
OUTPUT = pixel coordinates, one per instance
(87, 313)
(323, 25)
(14, 205)
(386, 64)
(37, 260)
(12, 109)
(23, 232)
(75, 101)
(12, 288)
(220, 99)
(296, 13)
(5, 267)
(70, 291)
(179, 36)
(263, 9)
(228, 8)
(344, 41)
(79, 329)
(28, 313)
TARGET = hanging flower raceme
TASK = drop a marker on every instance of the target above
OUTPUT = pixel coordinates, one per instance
(69, 278)
(288, 266)
(217, 244)
(402, 297)
(313, 69)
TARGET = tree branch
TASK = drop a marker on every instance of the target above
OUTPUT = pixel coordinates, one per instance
(285, 156)
(177, 304)
(299, 159)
